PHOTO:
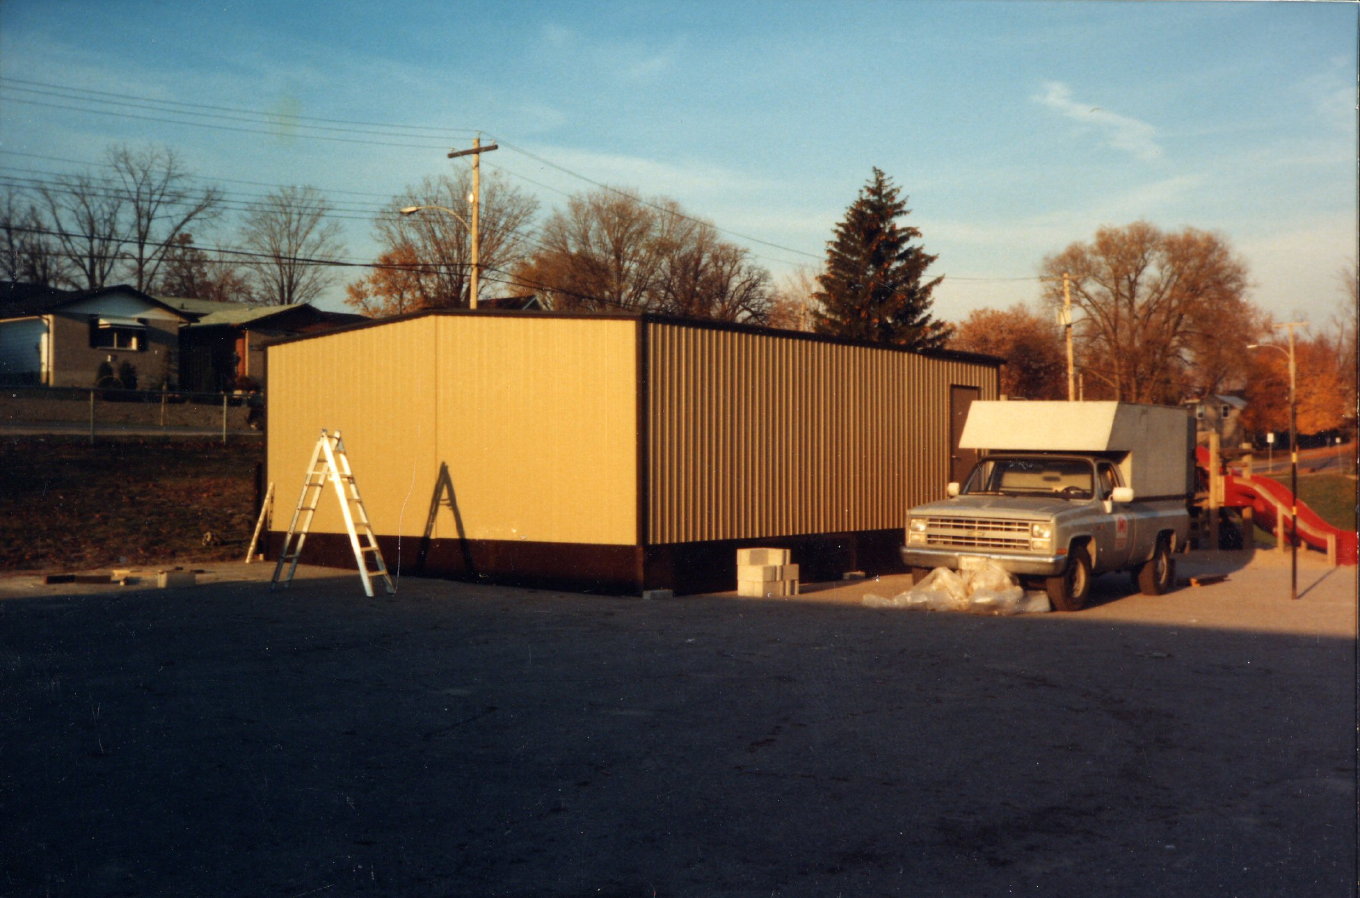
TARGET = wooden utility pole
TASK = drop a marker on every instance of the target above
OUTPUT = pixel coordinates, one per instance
(1067, 325)
(476, 154)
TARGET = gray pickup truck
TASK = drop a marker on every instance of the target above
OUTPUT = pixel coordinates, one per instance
(1066, 491)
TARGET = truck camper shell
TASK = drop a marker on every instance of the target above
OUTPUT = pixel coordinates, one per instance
(1152, 445)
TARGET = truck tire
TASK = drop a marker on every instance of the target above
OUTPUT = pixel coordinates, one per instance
(1069, 590)
(1158, 574)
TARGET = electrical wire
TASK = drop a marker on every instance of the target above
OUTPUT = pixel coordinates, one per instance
(227, 118)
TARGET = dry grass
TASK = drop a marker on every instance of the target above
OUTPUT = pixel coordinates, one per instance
(68, 505)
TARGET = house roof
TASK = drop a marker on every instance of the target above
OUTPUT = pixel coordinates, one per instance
(18, 300)
(209, 313)
(512, 303)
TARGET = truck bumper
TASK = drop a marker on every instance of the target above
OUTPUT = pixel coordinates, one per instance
(1023, 565)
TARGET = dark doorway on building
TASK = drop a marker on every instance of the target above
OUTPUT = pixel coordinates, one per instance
(961, 461)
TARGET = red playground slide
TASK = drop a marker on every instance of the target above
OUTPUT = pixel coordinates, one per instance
(1271, 503)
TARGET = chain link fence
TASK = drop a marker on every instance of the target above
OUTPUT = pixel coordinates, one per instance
(117, 412)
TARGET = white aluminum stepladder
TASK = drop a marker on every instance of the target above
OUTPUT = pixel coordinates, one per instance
(330, 463)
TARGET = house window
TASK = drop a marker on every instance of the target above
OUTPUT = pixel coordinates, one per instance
(118, 333)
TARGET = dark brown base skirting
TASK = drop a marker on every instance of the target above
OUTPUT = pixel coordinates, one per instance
(685, 568)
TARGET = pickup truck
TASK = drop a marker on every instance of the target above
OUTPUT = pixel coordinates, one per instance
(1065, 492)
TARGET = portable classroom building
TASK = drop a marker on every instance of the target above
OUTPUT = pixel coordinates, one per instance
(616, 453)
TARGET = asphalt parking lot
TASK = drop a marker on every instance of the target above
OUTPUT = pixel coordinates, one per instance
(457, 739)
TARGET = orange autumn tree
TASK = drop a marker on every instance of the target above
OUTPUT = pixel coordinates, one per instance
(1323, 387)
(397, 285)
(1031, 344)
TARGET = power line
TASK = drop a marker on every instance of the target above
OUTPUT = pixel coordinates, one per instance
(433, 132)
(216, 127)
(271, 123)
(105, 164)
(328, 129)
(657, 206)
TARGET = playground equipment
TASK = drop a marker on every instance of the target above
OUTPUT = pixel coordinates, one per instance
(1271, 505)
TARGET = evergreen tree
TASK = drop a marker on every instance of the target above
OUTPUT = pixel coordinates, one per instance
(872, 288)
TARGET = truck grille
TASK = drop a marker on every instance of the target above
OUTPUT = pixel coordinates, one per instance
(978, 533)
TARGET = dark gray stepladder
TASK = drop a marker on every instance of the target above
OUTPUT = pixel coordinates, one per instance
(331, 463)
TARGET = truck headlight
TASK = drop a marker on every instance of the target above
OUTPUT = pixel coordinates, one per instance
(916, 532)
(1041, 536)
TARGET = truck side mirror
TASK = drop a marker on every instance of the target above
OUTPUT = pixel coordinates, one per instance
(952, 490)
(1121, 494)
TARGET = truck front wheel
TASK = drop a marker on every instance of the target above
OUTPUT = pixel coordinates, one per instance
(1069, 590)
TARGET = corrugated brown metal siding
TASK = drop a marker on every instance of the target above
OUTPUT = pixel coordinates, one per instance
(535, 419)
(755, 435)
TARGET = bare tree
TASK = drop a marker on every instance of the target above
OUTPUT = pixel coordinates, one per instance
(597, 255)
(1163, 314)
(28, 252)
(611, 250)
(427, 255)
(702, 276)
(160, 205)
(189, 272)
(289, 232)
(85, 214)
(792, 306)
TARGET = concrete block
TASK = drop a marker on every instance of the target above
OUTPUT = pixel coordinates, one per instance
(767, 589)
(762, 556)
(650, 594)
(174, 579)
(767, 572)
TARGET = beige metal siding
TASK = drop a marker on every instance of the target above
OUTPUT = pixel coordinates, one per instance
(376, 387)
(754, 435)
(536, 420)
(538, 424)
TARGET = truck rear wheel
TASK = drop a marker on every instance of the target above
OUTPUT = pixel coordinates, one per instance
(1069, 590)
(1157, 575)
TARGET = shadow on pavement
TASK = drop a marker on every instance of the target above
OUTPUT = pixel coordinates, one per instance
(461, 740)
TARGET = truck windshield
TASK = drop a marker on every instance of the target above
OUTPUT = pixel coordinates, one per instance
(1066, 478)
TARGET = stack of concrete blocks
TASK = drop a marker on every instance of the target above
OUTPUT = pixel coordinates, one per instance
(766, 573)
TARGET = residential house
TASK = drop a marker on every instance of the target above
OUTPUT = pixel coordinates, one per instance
(117, 336)
(223, 348)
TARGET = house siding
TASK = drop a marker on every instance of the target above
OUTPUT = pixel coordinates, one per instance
(75, 363)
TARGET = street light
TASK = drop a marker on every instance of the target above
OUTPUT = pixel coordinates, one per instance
(1293, 459)
(476, 254)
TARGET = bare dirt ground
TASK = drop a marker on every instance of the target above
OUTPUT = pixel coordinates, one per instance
(473, 740)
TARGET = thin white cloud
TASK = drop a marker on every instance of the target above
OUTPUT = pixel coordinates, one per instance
(628, 60)
(1120, 131)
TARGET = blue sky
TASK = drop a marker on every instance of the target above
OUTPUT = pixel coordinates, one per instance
(1015, 128)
